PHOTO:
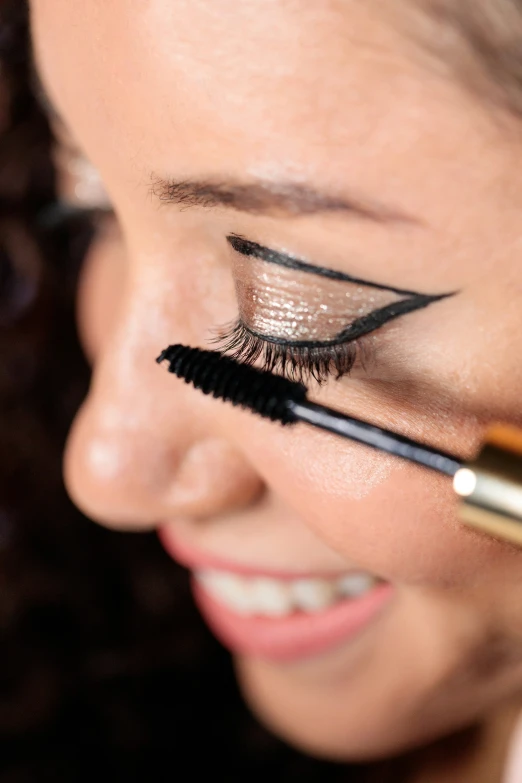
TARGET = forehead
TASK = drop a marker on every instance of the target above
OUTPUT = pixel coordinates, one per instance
(328, 92)
(305, 76)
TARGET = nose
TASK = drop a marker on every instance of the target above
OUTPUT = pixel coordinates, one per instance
(145, 447)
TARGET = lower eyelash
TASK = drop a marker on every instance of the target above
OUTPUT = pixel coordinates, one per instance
(297, 362)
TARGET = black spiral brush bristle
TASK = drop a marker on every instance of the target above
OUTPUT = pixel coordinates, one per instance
(280, 399)
(224, 378)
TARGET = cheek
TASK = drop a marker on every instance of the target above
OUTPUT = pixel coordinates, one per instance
(377, 512)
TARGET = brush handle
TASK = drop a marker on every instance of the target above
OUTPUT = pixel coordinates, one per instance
(491, 486)
(376, 437)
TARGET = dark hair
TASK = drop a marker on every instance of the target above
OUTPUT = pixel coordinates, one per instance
(478, 40)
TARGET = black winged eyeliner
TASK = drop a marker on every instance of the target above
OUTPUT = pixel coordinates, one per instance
(357, 328)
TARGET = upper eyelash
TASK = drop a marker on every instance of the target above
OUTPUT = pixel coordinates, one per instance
(295, 361)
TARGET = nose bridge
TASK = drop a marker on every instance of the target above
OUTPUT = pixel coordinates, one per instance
(128, 387)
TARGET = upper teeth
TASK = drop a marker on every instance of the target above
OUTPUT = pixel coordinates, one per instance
(277, 597)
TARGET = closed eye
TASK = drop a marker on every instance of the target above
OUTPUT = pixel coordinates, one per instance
(306, 320)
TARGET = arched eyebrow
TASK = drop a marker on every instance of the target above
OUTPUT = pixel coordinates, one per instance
(260, 197)
(266, 197)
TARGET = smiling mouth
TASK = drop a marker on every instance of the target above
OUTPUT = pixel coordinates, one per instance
(279, 616)
(288, 620)
(268, 597)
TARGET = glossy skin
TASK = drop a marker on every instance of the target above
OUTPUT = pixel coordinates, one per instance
(336, 94)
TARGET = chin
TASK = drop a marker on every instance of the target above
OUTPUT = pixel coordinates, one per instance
(294, 714)
(322, 723)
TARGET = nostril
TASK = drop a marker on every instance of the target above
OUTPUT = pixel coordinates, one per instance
(117, 487)
(211, 479)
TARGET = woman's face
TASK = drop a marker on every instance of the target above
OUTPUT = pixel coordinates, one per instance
(364, 617)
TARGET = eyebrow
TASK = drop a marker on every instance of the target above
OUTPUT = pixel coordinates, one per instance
(265, 197)
(259, 197)
(287, 198)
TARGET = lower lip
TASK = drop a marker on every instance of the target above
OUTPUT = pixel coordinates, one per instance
(297, 636)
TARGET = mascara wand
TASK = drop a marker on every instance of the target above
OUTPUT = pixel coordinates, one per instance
(490, 486)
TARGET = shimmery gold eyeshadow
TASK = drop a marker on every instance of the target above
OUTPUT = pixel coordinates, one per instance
(293, 306)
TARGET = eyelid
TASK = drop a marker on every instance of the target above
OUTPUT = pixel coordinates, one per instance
(263, 328)
(246, 247)
(287, 307)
